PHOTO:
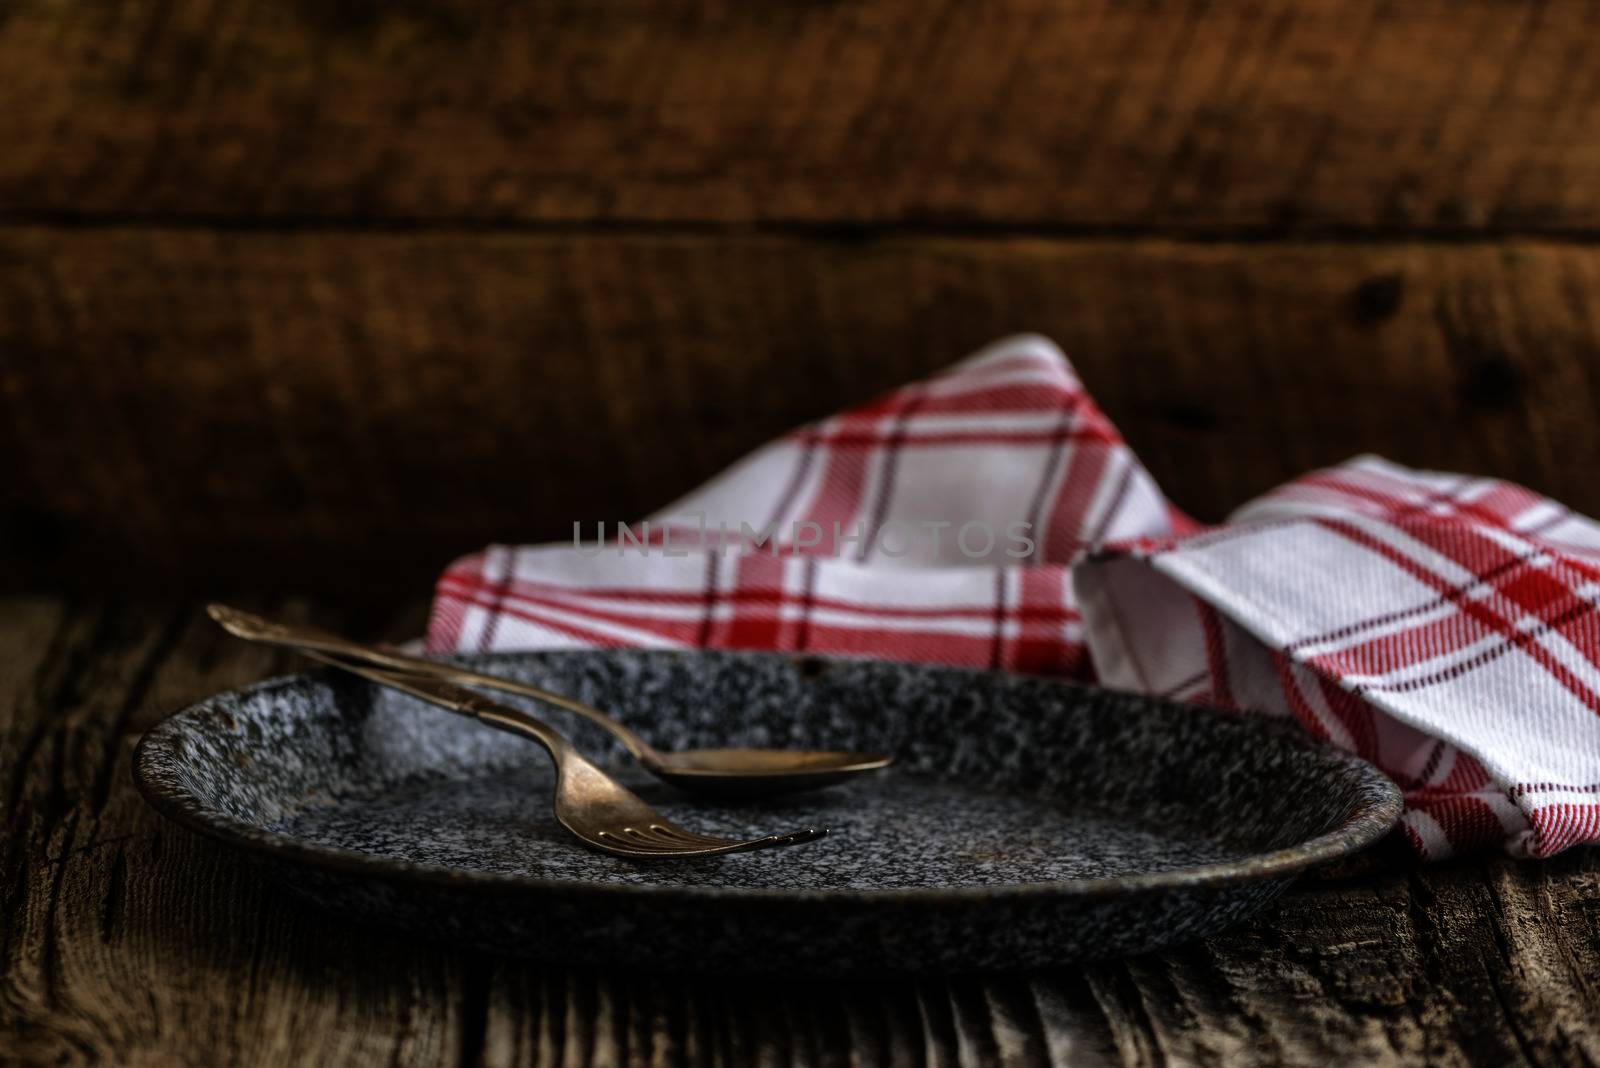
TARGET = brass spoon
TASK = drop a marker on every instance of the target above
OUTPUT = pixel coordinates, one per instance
(727, 772)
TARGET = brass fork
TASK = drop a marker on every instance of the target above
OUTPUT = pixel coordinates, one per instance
(596, 808)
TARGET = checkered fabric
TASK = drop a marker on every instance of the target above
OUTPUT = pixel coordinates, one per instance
(1440, 626)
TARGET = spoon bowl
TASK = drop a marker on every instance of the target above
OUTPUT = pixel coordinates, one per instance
(759, 772)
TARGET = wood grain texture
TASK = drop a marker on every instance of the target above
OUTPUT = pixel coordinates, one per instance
(123, 941)
(1339, 114)
(313, 407)
(127, 940)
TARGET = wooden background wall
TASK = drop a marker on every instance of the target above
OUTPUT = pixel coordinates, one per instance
(324, 292)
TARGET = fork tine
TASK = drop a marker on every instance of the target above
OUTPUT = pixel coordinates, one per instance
(678, 834)
(639, 843)
(629, 848)
(615, 841)
(678, 839)
(650, 833)
(775, 841)
(656, 836)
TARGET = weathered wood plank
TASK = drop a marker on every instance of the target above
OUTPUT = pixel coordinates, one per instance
(1353, 970)
(123, 939)
(1405, 966)
(308, 408)
(1088, 113)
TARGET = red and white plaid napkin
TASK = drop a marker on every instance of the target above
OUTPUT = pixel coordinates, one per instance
(1443, 627)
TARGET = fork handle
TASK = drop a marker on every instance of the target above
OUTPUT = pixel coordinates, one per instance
(308, 640)
(460, 700)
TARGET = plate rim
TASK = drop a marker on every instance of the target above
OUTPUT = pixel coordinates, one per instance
(1373, 817)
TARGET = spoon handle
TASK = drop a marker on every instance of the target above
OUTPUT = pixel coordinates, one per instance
(312, 640)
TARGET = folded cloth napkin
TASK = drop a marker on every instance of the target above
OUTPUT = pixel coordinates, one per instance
(1441, 626)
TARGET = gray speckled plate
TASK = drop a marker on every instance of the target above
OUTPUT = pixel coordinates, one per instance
(1026, 822)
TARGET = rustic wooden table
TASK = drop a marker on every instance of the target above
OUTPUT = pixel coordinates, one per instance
(288, 286)
(128, 940)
